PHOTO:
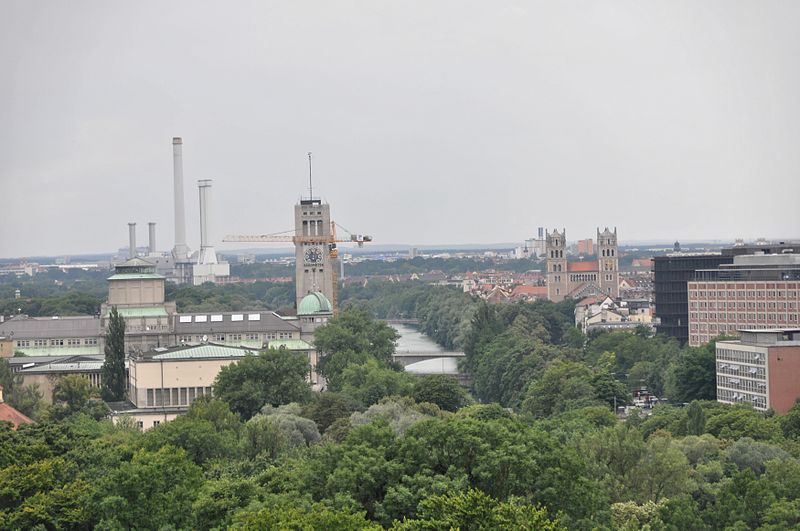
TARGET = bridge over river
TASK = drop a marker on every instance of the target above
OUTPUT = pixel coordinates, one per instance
(420, 354)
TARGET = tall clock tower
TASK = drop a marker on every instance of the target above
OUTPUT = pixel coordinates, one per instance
(314, 267)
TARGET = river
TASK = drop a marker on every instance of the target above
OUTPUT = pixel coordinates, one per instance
(412, 340)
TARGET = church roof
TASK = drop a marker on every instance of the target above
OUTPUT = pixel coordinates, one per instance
(313, 303)
(585, 289)
(582, 267)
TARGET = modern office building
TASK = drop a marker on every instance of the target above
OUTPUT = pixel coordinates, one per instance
(672, 274)
(762, 368)
(754, 292)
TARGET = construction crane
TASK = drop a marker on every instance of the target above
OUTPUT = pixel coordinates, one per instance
(329, 241)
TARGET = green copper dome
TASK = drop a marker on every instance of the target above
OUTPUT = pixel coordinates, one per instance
(314, 302)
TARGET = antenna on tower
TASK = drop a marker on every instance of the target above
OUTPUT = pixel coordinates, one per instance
(310, 186)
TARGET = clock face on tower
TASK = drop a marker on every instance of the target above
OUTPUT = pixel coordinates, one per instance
(313, 255)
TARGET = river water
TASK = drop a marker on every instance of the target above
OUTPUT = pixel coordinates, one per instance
(413, 340)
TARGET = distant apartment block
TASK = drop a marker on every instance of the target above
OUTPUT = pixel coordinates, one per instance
(585, 246)
(762, 368)
(754, 292)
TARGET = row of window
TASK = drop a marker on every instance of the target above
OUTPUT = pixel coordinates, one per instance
(234, 338)
(740, 356)
(733, 369)
(716, 329)
(174, 396)
(771, 317)
(69, 342)
(218, 318)
(741, 384)
(732, 397)
(694, 294)
(146, 328)
(741, 305)
(313, 228)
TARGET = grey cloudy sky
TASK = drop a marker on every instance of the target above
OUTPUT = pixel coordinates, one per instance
(430, 121)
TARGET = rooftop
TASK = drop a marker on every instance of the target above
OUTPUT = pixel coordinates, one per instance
(313, 303)
(765, 337)
(230, 322)
(135, 276)
(205, 351)
(24, 327)
(9, 414)
(155, 311)
(291, 344)
(581, 267)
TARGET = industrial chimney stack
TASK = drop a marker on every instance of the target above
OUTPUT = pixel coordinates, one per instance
(207, 253)
(132, 240)
(152, 242)
(181, 250)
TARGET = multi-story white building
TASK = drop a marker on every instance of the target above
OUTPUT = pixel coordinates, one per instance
(762, 369)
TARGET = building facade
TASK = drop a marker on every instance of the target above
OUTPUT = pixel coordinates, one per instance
(150, 322)
(671, 275)
(581, 279)
(762, 368)
(754, 292)
(315, 269)
(673, 272)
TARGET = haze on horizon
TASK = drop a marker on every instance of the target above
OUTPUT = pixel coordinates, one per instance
(430, 122)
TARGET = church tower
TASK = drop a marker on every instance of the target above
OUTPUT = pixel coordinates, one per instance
(555, 246)
(608, 261)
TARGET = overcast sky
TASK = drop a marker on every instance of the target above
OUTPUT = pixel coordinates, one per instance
(430, 122)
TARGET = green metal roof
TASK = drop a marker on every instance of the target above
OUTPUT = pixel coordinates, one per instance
(135, 276)
(204, 351)
(158, 311)
(60, 351)
(313, 303)
(290, 344)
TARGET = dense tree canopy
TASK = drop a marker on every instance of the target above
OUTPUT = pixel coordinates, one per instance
(272, 377)
(390, 450)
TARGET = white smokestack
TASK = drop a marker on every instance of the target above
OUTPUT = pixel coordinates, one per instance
(181, 250)
(152, 242)
(131, 240)
(207, 253)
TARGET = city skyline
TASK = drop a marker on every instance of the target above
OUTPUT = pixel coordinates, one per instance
(430, 124)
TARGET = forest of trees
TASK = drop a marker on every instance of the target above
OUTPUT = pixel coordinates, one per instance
(82, 293)
(534, 444)
(507, 345)
(386, 449)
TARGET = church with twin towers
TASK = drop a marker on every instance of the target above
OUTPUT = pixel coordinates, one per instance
(577, 280)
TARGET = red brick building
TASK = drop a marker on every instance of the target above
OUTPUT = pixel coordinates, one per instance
(755, 292)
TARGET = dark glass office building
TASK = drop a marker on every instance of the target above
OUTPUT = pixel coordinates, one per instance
(671, 274)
